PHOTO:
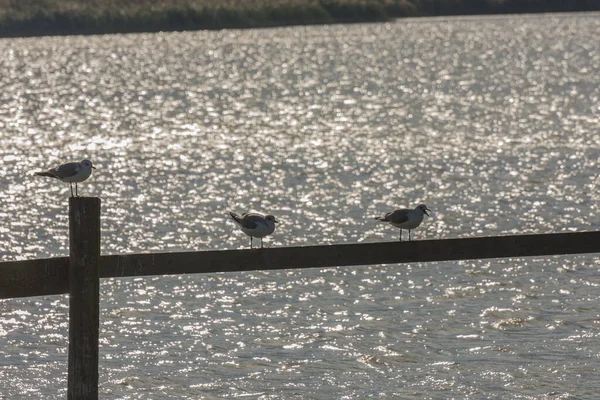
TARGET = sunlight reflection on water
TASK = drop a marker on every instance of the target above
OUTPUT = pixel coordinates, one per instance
(492, 122)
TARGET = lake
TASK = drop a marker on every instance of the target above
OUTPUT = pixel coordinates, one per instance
(493, 122)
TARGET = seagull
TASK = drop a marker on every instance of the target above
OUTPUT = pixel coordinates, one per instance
(406, 218)
(74, 172)
(255, 225)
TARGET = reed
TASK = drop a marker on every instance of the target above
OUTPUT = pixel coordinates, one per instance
(63, 17)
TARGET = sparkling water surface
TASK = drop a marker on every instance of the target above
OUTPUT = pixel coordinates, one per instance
(493, 122)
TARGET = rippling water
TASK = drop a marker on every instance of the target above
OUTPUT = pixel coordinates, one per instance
(492, 122)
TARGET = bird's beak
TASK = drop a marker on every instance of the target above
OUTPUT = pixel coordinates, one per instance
(276, 220)
(93, 167)
(426, 213)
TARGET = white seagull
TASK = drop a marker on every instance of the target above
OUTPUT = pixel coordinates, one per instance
(75, 172)
(406, 218)
(255, 225)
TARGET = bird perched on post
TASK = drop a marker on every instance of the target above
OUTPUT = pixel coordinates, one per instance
(406, 218)
(75, 172)
(255, 225)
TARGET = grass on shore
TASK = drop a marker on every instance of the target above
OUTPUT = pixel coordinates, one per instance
(59, 17)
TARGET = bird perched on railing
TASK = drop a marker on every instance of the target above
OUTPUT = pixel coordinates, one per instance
(406, 218)
(255, 225)
(75, 172)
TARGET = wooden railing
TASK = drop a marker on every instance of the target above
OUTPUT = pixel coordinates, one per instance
(79, 273)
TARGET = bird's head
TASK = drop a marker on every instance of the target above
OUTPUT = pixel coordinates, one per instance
(87, 164)
(423, 209)
(271, 218)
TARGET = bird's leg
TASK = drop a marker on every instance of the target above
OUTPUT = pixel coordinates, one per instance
(76, 195)
(400, 236)
(250, 241)
(409, 239)
(71, 186)
(261, 243)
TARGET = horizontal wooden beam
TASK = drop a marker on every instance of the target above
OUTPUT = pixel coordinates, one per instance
(34, 277)
(50, 276)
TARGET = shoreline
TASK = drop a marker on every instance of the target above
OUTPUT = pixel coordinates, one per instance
(74, 17)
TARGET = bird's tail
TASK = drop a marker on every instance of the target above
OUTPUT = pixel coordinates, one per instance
(45, 173)
(235, 217)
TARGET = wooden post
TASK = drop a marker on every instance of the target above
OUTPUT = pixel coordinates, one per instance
(84, 297)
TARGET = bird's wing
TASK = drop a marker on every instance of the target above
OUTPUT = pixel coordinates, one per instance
(397, 216)
(247, 220)
(236, 217)
(65, 170)
(251, 220)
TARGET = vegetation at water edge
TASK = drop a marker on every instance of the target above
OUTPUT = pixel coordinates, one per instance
(59, 17)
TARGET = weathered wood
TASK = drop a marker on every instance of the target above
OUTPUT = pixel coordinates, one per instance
(34, 277)
(84, 297)
(350, 254)
(299, 257)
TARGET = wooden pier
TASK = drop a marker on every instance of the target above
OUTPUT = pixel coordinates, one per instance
(79, 273)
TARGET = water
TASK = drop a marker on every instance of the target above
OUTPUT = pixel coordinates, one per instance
(491, 122)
